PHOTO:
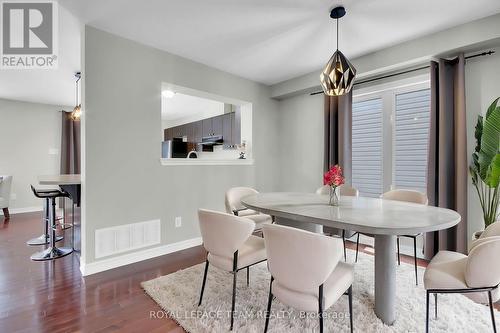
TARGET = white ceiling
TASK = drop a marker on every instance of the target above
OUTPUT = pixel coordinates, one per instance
(273, 40)
(186, 108)
(54, 86)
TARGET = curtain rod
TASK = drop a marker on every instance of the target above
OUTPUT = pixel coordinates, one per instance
(486, 53)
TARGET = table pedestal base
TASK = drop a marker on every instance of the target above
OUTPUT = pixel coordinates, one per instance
(385, 278)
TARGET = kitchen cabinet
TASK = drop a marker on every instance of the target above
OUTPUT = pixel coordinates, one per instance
(226, 130)
(177, 131)
(217, 125)
(198, 131)
(167, 134)
(187, 131)
(236, 127)
(207, 127)
(228, 125)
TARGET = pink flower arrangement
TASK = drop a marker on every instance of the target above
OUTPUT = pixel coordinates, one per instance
(334, 177)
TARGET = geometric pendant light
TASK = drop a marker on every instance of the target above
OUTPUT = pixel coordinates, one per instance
(338, 76)
(77, 111)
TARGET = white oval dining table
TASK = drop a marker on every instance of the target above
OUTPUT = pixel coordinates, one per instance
(385, 219)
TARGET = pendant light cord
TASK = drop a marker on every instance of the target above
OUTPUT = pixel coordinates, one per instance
(337, 34)
(78, 77)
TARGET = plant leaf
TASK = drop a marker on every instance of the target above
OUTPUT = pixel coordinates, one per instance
(490, 140)
(492, 107)
(478, 132)
(493, 174)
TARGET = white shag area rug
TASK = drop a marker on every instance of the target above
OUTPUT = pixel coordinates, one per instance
(178, 294)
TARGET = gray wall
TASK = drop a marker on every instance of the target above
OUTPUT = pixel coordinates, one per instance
(482, 77)
(27, 132)
(301, 143)
(124, 181)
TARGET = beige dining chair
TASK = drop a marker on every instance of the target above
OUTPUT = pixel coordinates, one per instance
(474, 275)
(408, 196)
(5, 187)
(230, 245)
(234, 206)
(492, 230)
(306, 271)
(345, 190)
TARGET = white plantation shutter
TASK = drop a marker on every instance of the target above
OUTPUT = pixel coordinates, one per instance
(411, 140)
(367, 175)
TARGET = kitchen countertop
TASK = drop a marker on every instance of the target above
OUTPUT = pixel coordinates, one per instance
(204, 161)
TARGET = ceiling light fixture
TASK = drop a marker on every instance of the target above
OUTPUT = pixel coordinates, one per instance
(338, 76)
(77, 111)
(168, 93)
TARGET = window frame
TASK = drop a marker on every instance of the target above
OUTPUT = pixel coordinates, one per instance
(387, 92)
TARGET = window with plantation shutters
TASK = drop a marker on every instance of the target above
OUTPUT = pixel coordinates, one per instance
(411, 138)
(367, 159)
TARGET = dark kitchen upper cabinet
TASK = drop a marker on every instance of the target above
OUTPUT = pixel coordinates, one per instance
(207, 127)
(236, 127)
(226, 129)
(167, 134)
(228, 125)
(217, 125)
(175, 131)
(198, 131)
(188, 131)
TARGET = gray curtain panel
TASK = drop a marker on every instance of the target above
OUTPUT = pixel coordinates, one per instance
(70, 144)
(338, 137)
(447, 170)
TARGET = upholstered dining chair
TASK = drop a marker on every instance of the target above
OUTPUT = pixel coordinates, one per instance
(5, 186)
(348, 191)
(474, 275)
(408, 196)
(306, 271)
(492, 230)
(230, 245)
(234, 206)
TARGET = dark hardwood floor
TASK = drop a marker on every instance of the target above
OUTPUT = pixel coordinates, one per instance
(54, 297)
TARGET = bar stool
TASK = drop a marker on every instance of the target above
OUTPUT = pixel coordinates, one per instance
(44, 239)
(52, 252)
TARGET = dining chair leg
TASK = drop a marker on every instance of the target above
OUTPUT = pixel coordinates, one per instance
(269, 303)
(350, 307)
(435, 305)
(399, 256)
(248, 276)
(343, 240)
(492, 312)
(320, 308)
(235, 274)
(357, 248)
(415, 258)
(204, 281)
(427, 313)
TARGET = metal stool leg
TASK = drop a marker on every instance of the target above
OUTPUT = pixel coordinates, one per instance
(72, 225)
(44, 239)
(63, 224)
(52, 252)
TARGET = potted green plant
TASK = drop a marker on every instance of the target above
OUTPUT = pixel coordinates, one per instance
(485, 166)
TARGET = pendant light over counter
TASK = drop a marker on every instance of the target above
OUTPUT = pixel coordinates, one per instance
(338, 76)
(77, 111)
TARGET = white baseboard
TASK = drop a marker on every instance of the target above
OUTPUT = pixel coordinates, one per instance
(130, 258)
(13, 211)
